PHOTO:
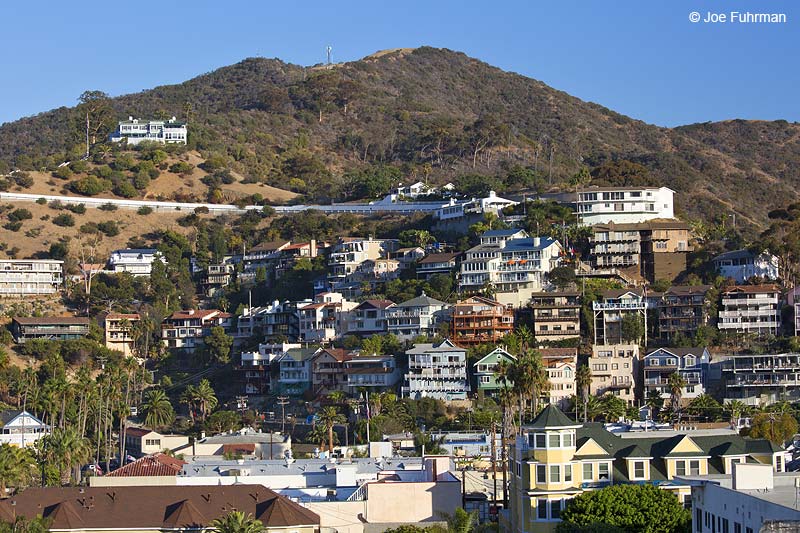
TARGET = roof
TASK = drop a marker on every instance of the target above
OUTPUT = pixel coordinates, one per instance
(439, 258)
(138, 432)
(501, 232)
(298, 354)
(158, 464)
(735, 254)
(558, 353)
(479, 300)
(10, 415)
(752, 289)
(121, 316)
(649, 225)
(272, 246)
(339, 354)
(680, 352)
(551, 417)
(375, 304)
(687, 290)
(618, 293)
(444, 346)
(595, 188)
(37, 320)
(155, 507)
(422, 300)
(198, 313)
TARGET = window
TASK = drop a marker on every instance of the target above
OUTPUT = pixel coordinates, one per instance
(778, 463)
(541, 509)
(555, 473)
(694, 468)
(680, 468)
(555, 509)
(638, 469)
(587, 472)
(519, 469)
(725, 526)
(568, 440)
(603, 475)
(541, 474)
(568, 474)
(737, 527)
(540, 440)
(553, 440)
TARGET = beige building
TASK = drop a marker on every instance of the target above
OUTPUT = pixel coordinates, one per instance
(556, 315)
(119, 332)
(614, 369)
(561, 375)
(143, 441)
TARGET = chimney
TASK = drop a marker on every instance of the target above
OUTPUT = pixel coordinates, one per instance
(537, 241)
(313, 248)
(190, 312)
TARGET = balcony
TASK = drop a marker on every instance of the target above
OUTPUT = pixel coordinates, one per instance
(619, 306)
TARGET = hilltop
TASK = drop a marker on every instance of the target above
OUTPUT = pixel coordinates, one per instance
(352, 130)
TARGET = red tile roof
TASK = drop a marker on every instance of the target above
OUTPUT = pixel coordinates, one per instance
(157, 464)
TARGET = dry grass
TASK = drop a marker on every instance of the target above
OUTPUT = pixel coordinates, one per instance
(44, 232)
(169, 186)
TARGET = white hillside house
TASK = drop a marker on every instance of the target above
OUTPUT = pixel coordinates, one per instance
(136, 130)
(623, 205)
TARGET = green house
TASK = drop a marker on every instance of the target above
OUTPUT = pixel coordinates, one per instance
(485, 371)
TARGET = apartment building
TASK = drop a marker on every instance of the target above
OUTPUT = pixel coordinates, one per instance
(20, 428)
(436, 371)
(682, 310)
(511, 263)
(294, 371)
(415, 317)
(624, 205)
(615, 369)
(479, 320)
(760, 379)
(51, 328)
(486, 371)
(256, 367)
(555, 459)
(368, 318)
(278, 319)
(750, 309)
(433, 264)
(185, 330)
(556, 315)
(136, 130)
(407, 257)
(690, 363)
(793, 299)
(371, 372)
(215, 277)
(326, 318)
(119, 332)
(30, 277)
(611, 312)
(561, 376)
(349, 253)
(137, 261)
(654, 250)
(328, 370)
(741, 265)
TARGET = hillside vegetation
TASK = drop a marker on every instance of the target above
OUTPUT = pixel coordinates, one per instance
(356, 129)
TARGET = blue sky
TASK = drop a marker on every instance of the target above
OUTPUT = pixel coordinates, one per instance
(641, 58)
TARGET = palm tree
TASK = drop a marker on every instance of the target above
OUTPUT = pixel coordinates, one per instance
(655, 402)
(17, 466)
(157, 409)
(704, 407)
(189, 397)
(525, 336)
(676, 384)
(66, 449)
(329, 417)
(237, 522)
(594, 408)
(735, 410)
(583, 381)
(206, 398)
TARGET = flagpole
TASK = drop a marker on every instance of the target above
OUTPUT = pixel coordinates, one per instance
(366, 403)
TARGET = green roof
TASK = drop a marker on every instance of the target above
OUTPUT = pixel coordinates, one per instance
(552, 417)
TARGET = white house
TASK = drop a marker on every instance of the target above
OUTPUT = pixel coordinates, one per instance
(603, 205)
(476, 206)
(368, 317)
(21, 428)
(137, 261)
(326, 318)
(135, 130)
(690, 363)
(511, 262)
(742, 265)
(29, 277)
(415, 317)
(436, 371)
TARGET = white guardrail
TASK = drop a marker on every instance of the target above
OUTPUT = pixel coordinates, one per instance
(378, 207)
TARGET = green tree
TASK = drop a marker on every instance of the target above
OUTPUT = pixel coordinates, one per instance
(237, 522)
(17, 467)
(205, 398)
(632, 327)
(632, 508)
(777, 427)
(157, 409)
(22, 524)
(704, 407)
(67, 450)
(218, 344)
(583, 382)
(675, 383)
(222, 421)
(328, 417)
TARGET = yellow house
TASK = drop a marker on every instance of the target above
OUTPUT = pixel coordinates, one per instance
(556, 459)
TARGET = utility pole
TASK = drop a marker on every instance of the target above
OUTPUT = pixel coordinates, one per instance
(87, 135)
(283, 401)
(503, 466)
(494, 468)
(464, 487)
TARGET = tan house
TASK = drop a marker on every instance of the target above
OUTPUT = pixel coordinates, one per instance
(143, 441)
(119, 332)
(614, 369)
(479, 320)
(328, 370)
(556, 315)
(153, 508)
(561, 376)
